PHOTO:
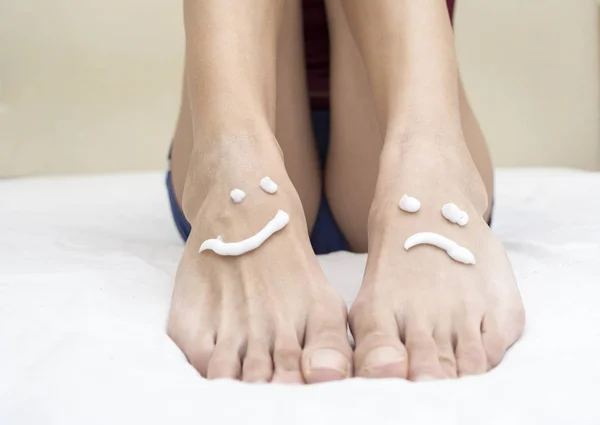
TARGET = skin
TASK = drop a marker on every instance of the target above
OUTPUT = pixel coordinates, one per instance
(400, 115)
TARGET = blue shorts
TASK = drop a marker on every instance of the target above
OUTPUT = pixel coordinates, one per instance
(326, 236)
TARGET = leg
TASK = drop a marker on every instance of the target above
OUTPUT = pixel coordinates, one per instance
(268, 314)
(357, 139)
(292, 130)
(410, 130)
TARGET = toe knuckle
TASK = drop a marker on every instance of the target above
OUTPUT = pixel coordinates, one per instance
(288, 358)
(447, 358)
(255, 364)
(288, 353)
(420, 341)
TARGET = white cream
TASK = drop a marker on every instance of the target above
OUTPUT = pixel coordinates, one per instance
(268, 185)
(217, 245)
(409, 204)
(237, 195)
(454, 250)
(455, 215)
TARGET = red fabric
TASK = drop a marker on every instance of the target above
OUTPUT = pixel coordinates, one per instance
(316, 47)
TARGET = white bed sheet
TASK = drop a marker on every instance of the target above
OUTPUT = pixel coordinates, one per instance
(86, 272)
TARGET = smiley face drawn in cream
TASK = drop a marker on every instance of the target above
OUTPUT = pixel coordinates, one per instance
(218, 246)
(281, 219)
(453, 214)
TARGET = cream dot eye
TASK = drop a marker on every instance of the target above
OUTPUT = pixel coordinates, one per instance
(237, 195)
(409, 204)
(268, 185)
(454, 214)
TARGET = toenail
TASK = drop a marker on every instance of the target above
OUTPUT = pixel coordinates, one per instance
(383, 356)
(329, 359)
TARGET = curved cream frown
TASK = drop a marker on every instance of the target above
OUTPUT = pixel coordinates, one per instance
(409, 204)
(268, 185)
(217, 245)
(454, 250)
(455, 215)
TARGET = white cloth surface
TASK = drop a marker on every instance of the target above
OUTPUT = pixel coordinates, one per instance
(86, 273)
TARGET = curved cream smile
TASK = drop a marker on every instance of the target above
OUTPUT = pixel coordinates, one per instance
(219, 247)
(454, 250)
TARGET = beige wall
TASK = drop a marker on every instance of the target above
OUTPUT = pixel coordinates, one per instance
(88, 86)
(93, 86)
(531, 68)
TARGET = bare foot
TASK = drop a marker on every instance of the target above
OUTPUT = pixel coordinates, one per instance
(266, 315)
(419, 314)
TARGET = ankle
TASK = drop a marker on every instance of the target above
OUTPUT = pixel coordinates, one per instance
(226, 162)
(427, 160)
(216, 126)
(425, 119)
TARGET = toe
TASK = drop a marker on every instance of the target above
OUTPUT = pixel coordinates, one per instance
(257, 364)
(286, 359)
(225, 361)
(327, 355)
(382, 358)
(424, 363)
(470, 355)
(379, 352)
(494, 343)
(445, 350)
(323, 364)
(199, 353)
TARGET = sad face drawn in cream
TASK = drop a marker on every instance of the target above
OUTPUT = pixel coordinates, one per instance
(281, 219)
(453, 214)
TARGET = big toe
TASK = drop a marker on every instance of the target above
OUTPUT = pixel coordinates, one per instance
(326, 364)
(381, 359)
(379, 352)
(327, 355)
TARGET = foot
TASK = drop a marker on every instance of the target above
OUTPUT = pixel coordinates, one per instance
(419, 314)
(267, 315)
